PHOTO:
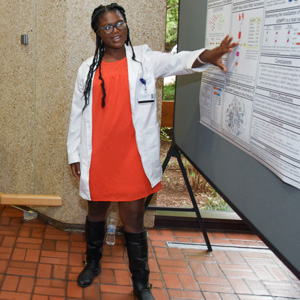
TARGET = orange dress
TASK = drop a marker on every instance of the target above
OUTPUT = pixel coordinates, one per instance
(116, 171)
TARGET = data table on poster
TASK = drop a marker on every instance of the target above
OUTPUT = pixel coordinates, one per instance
(256, 104)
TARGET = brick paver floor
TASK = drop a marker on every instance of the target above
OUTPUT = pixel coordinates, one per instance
(39, 262)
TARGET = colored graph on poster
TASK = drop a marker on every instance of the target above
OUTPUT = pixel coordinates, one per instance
(256, 104)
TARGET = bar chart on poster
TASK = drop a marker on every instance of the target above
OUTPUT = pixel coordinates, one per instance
(247, 142)
(256, 104)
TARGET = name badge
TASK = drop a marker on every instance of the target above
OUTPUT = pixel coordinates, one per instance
(146, 98)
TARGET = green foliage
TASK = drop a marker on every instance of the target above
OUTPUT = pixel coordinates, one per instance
(215, 202)
(169, 92)
(196, 180)
(166, 134)
(212, 200)
(172, 24)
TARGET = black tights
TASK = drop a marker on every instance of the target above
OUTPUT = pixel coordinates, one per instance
(131, 213)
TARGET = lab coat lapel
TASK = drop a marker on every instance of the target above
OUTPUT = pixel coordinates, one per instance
(134, 70)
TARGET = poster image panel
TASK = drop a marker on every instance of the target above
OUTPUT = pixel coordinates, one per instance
(281, 34)
(247, 29)
(218, 25)
(211, 105)
(236, 119)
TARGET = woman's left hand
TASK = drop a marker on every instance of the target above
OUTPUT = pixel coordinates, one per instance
(214, 56)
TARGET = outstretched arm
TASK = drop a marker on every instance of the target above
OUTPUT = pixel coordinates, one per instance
(214, 56)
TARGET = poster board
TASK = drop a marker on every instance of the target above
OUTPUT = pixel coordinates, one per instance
(267, 204)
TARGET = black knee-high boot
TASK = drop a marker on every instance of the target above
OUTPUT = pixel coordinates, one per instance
(95, 233)
(137, 248)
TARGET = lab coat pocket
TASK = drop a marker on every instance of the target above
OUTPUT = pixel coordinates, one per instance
(152, 140)
(147, 98)
(152, 137)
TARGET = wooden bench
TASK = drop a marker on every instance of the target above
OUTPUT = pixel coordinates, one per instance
(16, 201)
(30, 200)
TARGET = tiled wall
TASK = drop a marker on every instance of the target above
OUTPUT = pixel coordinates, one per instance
(36, 87)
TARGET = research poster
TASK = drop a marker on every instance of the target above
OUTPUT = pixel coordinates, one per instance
(256, 104)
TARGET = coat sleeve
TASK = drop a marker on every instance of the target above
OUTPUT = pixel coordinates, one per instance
(73, 143)
(167, 64)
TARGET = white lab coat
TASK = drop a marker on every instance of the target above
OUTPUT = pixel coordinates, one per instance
(151, 65)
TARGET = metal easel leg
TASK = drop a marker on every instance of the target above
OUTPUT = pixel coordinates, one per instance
(174, 152)
(196, 209)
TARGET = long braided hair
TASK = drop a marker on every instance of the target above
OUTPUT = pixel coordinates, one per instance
(100, 49)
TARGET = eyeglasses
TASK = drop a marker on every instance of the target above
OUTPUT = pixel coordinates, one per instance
(110, 28)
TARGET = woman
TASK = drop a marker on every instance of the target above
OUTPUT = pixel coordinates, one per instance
(114, 138)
